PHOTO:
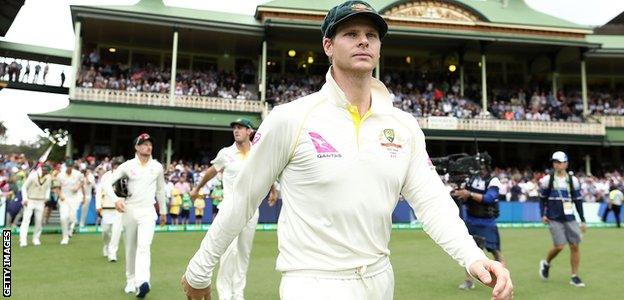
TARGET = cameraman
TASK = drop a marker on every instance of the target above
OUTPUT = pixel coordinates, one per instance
(481, 199)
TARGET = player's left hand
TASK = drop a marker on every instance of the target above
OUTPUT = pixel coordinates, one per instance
(583, 227)
(163, 220)
(193, 293)
(494, 275)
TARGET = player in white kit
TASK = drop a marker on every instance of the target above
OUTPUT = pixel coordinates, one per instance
(70, 198)
(146, 182)
(234, 263)
(35, 192)
(343, 157)
(111, 223)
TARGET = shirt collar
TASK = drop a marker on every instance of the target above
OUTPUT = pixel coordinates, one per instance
(381, 102)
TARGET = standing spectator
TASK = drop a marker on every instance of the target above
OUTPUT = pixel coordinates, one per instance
(26, 75)
(187, 204)
(614, 204)
(46, 69)
(199, 204)
(36, 75)
(62, 78)
(175, 205)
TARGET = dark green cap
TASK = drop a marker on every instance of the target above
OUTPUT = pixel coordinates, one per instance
(344, 11)
(243, 122)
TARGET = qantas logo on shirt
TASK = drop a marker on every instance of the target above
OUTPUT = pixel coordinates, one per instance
(323, 148)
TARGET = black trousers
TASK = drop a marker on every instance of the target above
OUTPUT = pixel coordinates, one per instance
(616, 211)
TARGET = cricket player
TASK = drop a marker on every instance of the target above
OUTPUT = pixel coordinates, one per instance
(146, 181)
(235, 261)
(35, 192)
(72, 195)
(343, 157)
(111, 219)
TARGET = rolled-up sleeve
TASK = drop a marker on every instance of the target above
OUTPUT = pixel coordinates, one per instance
(435, 208)
(268, 157)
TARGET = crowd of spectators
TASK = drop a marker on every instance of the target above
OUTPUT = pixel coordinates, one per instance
(410, 91)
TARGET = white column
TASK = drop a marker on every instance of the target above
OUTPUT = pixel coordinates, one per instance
(584, 86)
(263, 83)
(169, 153)
(68, 146)
(483, 86)
(555, 77)
(75, 63)
(461, 80)
(377, 73)
(174, 67)
(588, 165)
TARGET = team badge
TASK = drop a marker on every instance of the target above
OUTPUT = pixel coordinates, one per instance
(389, 134)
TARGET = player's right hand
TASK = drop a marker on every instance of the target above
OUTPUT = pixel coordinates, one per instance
(193, 293)
(545, 220)
(193, 193)
(120, 206)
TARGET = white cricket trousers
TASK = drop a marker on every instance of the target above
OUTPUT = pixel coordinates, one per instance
(372, 282)
(232, 276)
(35, 206)
(139, 224)
(84, 211)
(111, 231)
(67, 211)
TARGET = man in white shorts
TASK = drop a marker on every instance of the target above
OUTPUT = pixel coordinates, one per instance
(343, 157)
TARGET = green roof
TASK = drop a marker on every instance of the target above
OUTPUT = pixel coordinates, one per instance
(89, 112)
(33, 52)
(607, 41)
(156, 9)
(516, 12)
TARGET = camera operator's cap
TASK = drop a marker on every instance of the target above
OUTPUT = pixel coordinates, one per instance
(142, 138)
(559, 156)
(242, 122)
(348, 9)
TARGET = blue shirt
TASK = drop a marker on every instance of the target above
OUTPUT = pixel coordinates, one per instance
(559, 197)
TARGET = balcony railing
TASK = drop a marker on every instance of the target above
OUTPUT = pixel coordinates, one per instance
(159, 99)
(448, 123)
(612, 121)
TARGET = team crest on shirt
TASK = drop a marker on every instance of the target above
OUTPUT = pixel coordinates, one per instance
(389, 134)
(391, 142)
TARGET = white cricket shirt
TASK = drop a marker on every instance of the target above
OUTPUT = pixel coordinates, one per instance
(341, 177)
(145, 182)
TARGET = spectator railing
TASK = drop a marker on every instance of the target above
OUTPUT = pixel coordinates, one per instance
(612, 121)
(552, 127)
(160, 99)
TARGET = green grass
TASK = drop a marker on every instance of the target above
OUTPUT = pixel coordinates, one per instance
(422, 270)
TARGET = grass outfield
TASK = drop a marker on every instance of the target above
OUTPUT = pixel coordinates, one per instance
(422, 270)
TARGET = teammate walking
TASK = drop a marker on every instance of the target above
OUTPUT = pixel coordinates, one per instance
(71, 196)
(146, 181)
(111, 219)
(235, 261)
(35, 192)
(343, 156)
